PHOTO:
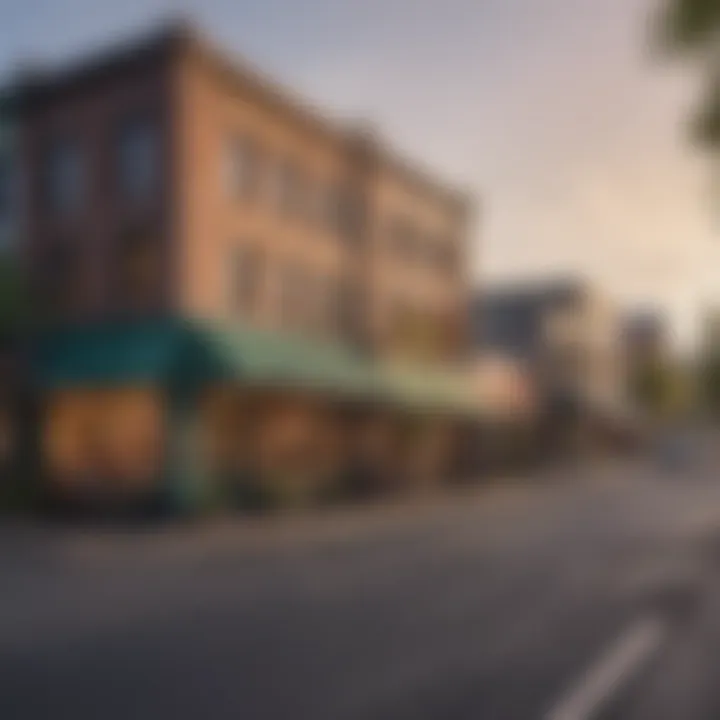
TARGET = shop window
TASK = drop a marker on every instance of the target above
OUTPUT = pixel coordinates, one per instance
(111, 437)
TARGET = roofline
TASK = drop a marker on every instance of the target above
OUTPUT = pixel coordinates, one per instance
(179, 38)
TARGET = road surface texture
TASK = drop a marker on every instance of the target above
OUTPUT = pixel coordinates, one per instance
(592, 593)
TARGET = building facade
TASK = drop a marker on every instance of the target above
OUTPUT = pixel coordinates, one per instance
(162, 179)
(232, 285)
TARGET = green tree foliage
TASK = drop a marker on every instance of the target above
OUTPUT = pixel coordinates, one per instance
(661, 388)
(690, 29)
(709, 382)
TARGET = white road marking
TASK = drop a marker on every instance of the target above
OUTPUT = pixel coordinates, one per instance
(616, 666)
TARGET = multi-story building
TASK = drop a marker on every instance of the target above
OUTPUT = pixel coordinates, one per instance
(164, 186)
(164, 180)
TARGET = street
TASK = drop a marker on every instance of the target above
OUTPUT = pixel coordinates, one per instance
(497, 603)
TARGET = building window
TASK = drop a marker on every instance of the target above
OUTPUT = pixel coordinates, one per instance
(403, 239)
(247, 268)
(61, 284)
(65, 177)
(243, 167)
(295, 298)
(327, 306)
(138, 269)
(344, 211)
(138, 159)
(327, 206)
(349, 311)
(443, 254)
(289, 188)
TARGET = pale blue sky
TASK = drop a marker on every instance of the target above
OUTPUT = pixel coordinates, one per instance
(550, 109)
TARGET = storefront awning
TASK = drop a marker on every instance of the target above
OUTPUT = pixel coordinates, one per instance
(194, 353)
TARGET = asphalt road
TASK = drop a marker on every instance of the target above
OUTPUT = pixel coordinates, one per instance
(593, 593)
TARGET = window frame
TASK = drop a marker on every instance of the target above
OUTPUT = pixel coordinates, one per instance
(125, 165)
(56, 197)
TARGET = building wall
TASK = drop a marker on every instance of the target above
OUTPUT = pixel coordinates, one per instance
(327, 262)
(214, 224)
(419, 281)
(86, 244)
(359, 273)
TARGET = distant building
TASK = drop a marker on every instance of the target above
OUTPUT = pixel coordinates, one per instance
(566, 333)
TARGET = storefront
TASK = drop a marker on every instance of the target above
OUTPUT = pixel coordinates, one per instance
(189, 415)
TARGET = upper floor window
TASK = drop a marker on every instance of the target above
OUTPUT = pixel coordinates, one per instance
(403, 239)
(247, 268)
(289, 188)
(61, 285)
(138, 268)
(344, 211)
(444, 254)
(242, 166)
(349, 311)
(138, 159)
(296, 297)
(65, 177)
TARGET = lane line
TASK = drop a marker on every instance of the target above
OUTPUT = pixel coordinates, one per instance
(621, 661)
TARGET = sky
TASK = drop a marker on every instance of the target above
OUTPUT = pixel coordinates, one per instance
(554, 113)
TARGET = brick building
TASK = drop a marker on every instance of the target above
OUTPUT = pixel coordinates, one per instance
(162, 179)
(168, 192)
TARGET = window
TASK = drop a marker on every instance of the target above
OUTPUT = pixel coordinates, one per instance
(349, 311)
(138, 267)
(243, 160)
(101, 436)
(327, 207)
(403, 239)
(289, 188)
(442, 253)
(344, 211)
(65, 177)
(295, 299)
(61, 284)
(247, 268)
(138, 159)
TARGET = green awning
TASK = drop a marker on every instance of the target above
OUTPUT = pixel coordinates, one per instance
(276, 359)
(429, 389)
(109, 354)
(194, 353)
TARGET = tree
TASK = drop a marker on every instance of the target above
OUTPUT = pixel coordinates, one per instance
(661, 388)
(690, 29)
(709, 381)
